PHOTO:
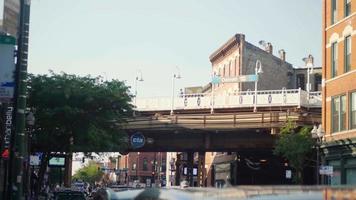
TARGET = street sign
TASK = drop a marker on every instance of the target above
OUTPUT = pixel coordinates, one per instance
(35, 160)
(288, 174)
(237, 79)
(137, 140)
(243, 78)
(216, 80)
(56, 162)
(326, 170)
(7, 67)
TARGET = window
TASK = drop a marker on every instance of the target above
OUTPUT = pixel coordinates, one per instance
(164, 165)
(134, 166)
(336, 178)
(145, 164)
(333, 11)
(347, 62)
(347, 7)
(334, 60)
(317, 82)
(338, 112)
(343, 113)
(335, 114)
(353, 110)
(350, 166)
(301, 81)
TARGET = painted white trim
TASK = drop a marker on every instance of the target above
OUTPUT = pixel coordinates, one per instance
(348, 30)
(341, 133)
(333, 39)
(340, 76)
(339, 22)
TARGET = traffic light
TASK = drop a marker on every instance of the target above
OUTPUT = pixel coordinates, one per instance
(5, 154)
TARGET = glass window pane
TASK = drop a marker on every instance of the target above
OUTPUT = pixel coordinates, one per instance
(335, 113)
(336, 178)
(351, 176)
(347, 7)
(334, 59)
(353, 111)
(334, 162)
(343, 113)
(351, 161)
(333, 11)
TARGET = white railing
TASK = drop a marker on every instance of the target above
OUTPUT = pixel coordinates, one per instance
(265, 98)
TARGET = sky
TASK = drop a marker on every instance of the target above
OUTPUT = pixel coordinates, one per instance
(119, 38)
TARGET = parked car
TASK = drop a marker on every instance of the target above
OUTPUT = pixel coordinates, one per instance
(69, 194)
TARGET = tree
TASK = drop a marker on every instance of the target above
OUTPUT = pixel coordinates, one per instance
(77, 114)
(90, 173)
(80, 110)
(295, 144)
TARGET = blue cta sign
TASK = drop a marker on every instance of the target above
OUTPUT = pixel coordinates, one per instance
(137, 140)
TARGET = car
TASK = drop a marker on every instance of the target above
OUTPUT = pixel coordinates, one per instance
(69, 194)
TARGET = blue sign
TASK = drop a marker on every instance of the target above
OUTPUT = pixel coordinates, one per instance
(216, 80)
(137, 140)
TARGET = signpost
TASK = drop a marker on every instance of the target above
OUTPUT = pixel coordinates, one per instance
(237, 79)
(7, 67)
(326, 170)
(137, 140)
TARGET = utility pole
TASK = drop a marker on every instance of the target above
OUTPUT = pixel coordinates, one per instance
(19, 151)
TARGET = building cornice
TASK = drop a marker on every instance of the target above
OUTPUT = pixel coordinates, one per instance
(236, 39)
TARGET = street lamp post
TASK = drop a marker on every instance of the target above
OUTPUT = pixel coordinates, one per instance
(30, 119)
(175, 76)
(138, 78)
(137, 166)
(310, 66)
(258, 70)
(318, 134)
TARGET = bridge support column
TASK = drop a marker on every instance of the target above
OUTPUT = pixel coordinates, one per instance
(274, 131)
(178, 167)
(201, 170)
(190, 164)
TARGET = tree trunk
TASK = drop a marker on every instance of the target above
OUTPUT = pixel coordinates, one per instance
(41, 173)
(68, 170)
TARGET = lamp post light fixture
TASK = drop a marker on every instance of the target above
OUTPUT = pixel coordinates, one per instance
(318, 134)
(138, 78)
(174, 77)
(258, 70)
(310, 66)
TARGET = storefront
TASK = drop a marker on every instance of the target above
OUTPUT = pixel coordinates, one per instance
(342, 156)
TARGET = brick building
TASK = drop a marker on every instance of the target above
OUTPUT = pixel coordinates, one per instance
(146, 167)
(238, 57)
(339, 89)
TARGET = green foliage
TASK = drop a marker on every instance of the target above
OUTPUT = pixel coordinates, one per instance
(83, 108)
(90, 173)
(295, 145)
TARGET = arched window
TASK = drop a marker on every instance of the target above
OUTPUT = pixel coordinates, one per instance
(145, 164)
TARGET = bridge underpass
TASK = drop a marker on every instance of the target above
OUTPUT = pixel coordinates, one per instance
(250, 135)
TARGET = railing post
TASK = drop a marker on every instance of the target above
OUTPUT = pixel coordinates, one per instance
(204, 120)
(300, 97)
(212, 99)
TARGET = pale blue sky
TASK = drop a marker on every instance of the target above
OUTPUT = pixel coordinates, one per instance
(115, 38)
